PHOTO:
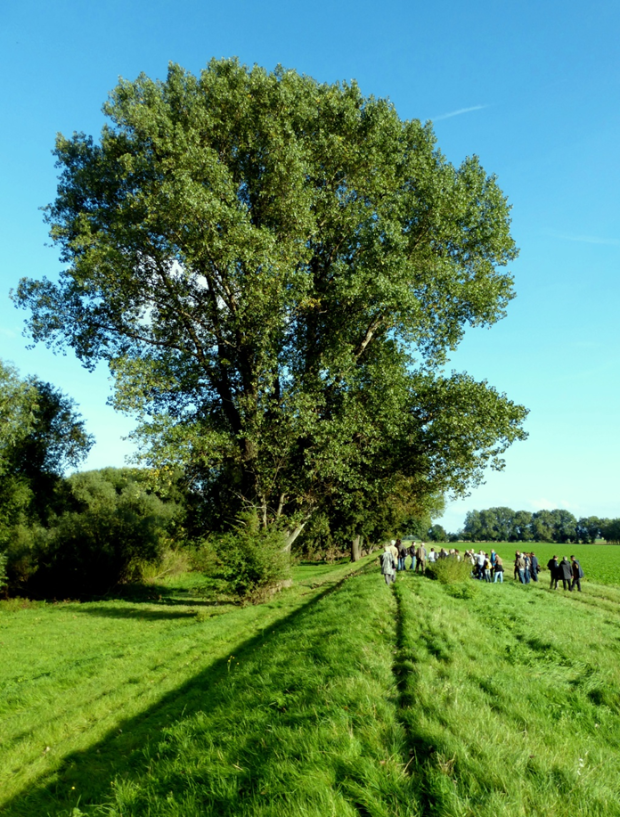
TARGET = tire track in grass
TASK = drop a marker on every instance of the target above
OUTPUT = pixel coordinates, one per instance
(417, 751)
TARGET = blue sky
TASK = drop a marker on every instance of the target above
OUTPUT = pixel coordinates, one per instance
(532, 88)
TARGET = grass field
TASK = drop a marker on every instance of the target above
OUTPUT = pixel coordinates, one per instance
(600, 563)
(72, 673)
(339, 697)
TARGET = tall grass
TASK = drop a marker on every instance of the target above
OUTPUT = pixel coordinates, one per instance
(343, 698)
(450, 571)
(304, 723)
(73, 674)
(511, 700)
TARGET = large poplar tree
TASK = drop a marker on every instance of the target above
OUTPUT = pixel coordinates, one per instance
(275, 270)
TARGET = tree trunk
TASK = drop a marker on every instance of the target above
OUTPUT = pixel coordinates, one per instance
(356, 548)
(292, 535)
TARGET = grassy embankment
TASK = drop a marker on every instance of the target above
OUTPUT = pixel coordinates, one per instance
(73, 675)
(360, 701)
(511, 699)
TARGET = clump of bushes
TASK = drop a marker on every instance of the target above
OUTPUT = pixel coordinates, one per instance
(111, 528)
(251, 559)
(450, 570)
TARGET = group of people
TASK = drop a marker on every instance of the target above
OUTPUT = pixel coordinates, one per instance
(394, 556)
(487, 567)
(570, 573)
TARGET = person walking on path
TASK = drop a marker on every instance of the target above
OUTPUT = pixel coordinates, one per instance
(534, 567)
(388, 565)
(520, 567)
(577, 573)
(566, 573)
(412, 552)
(402, 553)
(421, 559)
(554, 568)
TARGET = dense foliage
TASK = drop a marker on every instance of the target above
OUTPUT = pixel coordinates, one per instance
(3, 574)
(252, 560)
(437, 533)
(275, 270)
(505, 525)
(41, 435)
(450, 570)
(109, 526)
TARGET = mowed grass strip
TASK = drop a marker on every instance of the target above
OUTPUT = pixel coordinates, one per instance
(303, 721)
(511, 699)
(72, 673)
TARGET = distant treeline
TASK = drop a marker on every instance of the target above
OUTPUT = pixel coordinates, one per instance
(506, 525)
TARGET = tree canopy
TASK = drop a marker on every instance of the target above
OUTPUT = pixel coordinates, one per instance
(41, 435)
(276, 270)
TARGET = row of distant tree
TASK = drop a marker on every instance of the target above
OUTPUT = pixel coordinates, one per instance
(506, 525)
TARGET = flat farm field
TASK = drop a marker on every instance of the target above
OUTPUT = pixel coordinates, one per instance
(600, 563)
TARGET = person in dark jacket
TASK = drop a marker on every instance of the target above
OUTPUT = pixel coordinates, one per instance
(577, 573)
(566, 573)
(402, 553)
(412, 551)
(534, 567)
(554, 569)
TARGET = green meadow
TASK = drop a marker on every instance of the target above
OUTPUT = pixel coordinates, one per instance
(601, 563)
(340, 696)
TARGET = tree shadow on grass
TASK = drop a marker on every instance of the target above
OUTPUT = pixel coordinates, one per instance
(161, 614)
(160, 596)
(158, 611)
(91, 771)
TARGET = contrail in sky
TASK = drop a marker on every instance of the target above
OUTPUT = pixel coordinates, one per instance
(459, 112)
